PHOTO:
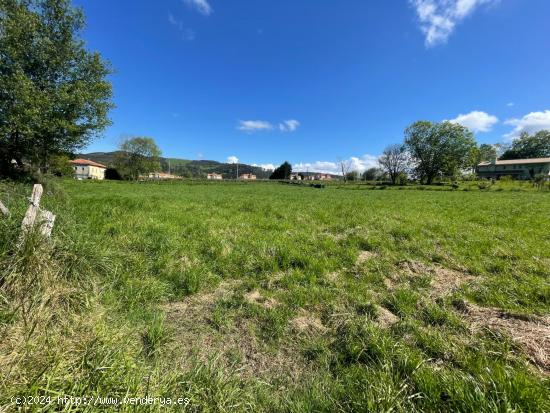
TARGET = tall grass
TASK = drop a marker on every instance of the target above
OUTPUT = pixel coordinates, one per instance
(144, 290)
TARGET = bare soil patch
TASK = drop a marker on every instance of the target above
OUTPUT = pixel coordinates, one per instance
(196, 338)
(531, 333)
(385, 317)
(254, 297)
(443, 280)
(365, 256)
(307, 323)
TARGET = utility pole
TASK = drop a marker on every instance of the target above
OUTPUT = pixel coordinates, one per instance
(237, 170)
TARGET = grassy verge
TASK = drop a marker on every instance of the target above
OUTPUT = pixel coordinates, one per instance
(267, 297)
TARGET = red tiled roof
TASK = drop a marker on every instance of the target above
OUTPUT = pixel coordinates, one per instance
(87, 162)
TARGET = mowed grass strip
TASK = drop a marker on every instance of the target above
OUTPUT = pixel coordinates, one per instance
(289, 298)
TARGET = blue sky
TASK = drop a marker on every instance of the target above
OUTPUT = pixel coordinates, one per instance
(314, 81)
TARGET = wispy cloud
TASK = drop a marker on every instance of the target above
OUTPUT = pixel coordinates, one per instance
(265, 166)
(232, 159)
(510, 104)
(438, 18)
(355, 163)
(289, 125)
(254, 125)
(186, 33)
(202, 6)
(476, 121)
(530, 123)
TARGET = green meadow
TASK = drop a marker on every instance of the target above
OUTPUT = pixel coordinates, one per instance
(282, 298)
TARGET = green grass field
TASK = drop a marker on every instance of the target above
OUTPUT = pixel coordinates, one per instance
(269, 297)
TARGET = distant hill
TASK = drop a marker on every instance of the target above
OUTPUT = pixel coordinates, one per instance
(186, 167)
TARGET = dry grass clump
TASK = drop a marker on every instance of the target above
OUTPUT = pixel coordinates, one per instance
(443, 281)
(531, 333)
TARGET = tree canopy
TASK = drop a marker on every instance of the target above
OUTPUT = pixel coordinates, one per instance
(372, 174)
(54, 95)
(394, 161)
(529, 146)
(282, 172)
(439, 149)
(137, 156)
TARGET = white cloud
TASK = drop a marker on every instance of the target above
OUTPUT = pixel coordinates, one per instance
(202, 6)
(289, 125)
(186, 33)
(530, 123)
(355, 164)
(254, 125)
(476, 121)
(265, 166)
(232, 159)
(438, 18)
(510, 104)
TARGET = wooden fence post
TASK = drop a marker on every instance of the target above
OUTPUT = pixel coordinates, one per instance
(47, 220)
(30, 216)
(5, 211)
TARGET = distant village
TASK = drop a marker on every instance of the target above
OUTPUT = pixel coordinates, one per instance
(88, 169)
(516, 168)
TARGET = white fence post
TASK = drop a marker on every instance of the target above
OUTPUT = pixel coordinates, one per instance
(30, 216)
(5, 211)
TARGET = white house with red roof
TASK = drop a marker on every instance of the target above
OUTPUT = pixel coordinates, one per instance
(86, 169)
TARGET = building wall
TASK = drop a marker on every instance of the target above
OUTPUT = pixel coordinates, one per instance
(521, 171)
(88, 172)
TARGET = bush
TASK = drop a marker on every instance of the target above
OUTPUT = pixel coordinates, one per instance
(112, 174)
(483, 185)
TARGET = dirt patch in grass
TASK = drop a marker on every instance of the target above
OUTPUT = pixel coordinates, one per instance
(531, 333)
(364, 256)
(333, 276)
(443, 280)
(307, 323)
(254, 297)
(196, 336)
(385, 317)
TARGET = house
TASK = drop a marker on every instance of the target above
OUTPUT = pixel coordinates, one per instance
(162, 176)
(248, 177)
(295, 177)
(86, 169)
(214, 176)
(516, 168)
(323, 177)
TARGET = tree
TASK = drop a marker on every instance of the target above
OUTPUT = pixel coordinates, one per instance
(372, 174)
(345, 167)
(439, 149)
(54, 95)
(483, 153)
(60, 165)
(137, 156)
(527, 146)
(282, 172)
(353, 176)
(112, 174)
(486, 153)
(394, 161)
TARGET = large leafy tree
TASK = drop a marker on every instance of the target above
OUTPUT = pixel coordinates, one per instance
(483, 153)
(529, 146)
(137, 156)
(439, 149)
(54, 95)
(282, 172)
